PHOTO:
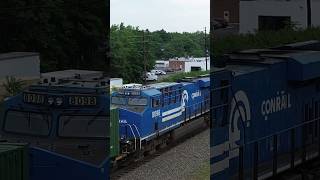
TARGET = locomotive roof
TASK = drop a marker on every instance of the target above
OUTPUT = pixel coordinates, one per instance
(72, 85)
(162, 85)
(303, 60)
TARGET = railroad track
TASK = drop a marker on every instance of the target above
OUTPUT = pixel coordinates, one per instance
(123, 170)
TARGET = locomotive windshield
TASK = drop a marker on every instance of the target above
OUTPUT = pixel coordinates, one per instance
(131, 104)
(82, 126)
(28, 123)
(137, 101)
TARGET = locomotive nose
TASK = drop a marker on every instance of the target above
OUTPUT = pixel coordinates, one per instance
(129, 124)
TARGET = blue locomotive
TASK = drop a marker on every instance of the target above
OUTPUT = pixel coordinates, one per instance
(265, 116)
(65, 121)
(150, 115)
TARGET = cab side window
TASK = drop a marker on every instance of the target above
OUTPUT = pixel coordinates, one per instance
(155, 103)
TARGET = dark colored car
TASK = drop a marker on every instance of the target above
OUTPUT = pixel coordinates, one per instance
(169, 70)
(219, 23)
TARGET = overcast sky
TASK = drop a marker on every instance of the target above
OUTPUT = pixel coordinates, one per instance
(170, 15)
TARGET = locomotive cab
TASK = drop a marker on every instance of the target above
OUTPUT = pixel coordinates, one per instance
(68, 118)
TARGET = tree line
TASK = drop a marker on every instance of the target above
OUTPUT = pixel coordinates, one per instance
(129, 49)
(66, 33)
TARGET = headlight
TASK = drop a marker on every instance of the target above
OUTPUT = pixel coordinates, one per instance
(59, 101)
(50, 100)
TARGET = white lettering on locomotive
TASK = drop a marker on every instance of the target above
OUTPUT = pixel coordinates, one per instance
(196, 94)
(123, 121)
(276, 104)
(156, 113)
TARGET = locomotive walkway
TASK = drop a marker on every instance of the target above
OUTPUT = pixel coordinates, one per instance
(180, 162)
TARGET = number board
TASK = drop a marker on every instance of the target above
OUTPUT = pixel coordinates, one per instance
(82, 100)
(34, 98)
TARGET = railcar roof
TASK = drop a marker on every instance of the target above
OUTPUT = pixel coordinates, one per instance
(252, 60)
(74, 84)
(162, 85)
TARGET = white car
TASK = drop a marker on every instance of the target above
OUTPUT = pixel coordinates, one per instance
(150, 76)
(158, 72)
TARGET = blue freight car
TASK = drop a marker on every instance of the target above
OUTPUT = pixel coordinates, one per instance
(265, 111)
(149, 115)
(66, 123)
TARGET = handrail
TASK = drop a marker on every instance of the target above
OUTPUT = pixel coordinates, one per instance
(138, 134)
(134, 135)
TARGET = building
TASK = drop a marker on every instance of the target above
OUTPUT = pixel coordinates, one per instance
(189, 64)
(21, 65)
(161, 64)
(277, 14)
(226, 9)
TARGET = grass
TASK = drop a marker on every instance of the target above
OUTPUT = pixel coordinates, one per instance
(203, 173)
(177, 76)
(263, 39)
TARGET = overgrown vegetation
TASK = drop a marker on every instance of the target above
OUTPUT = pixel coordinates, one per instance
(264, 39)
(127, 49)
(178, 76)
(67, 33)
(12, 86)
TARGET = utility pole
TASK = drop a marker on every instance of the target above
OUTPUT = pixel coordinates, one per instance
(143, 42)
(144, 56)
(205, 47)
(309, 14)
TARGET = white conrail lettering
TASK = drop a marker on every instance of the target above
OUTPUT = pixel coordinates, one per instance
(276, 104)
(196, 94)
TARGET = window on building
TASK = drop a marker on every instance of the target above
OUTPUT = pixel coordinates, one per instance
(273, 23)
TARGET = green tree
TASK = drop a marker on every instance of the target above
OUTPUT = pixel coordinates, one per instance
(127, 49)
(67, 33)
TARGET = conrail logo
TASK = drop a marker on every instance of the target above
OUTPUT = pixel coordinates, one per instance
(276, 104)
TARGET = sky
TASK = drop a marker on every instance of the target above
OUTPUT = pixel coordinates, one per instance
(170, 15)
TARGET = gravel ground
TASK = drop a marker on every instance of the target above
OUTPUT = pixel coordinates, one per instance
(180, 162)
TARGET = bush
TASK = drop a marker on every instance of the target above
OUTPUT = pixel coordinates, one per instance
(12, 86)
(177, 76)
(264, 39)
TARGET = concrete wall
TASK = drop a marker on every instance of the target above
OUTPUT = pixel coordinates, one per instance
(24, 68)
(315, 12)
(296, 9)
(201, 64)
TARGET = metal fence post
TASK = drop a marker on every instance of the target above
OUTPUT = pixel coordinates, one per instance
(292, 148)
(241, 154)
(275, 155)
(255, 160)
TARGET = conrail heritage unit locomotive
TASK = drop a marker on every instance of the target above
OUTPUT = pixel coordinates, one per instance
(66, 123)
(266, 111)
(155, 115)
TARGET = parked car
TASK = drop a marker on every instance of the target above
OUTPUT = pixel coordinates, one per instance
(219, 23)
(158, 72)
(169, 70)
(150, 76)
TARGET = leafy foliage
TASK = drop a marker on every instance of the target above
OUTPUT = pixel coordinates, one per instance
(126, 44)
(12, 86)
(67, 33)
(263, 39)
(178, 76)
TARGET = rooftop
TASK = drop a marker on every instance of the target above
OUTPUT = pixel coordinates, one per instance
(14, 55)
